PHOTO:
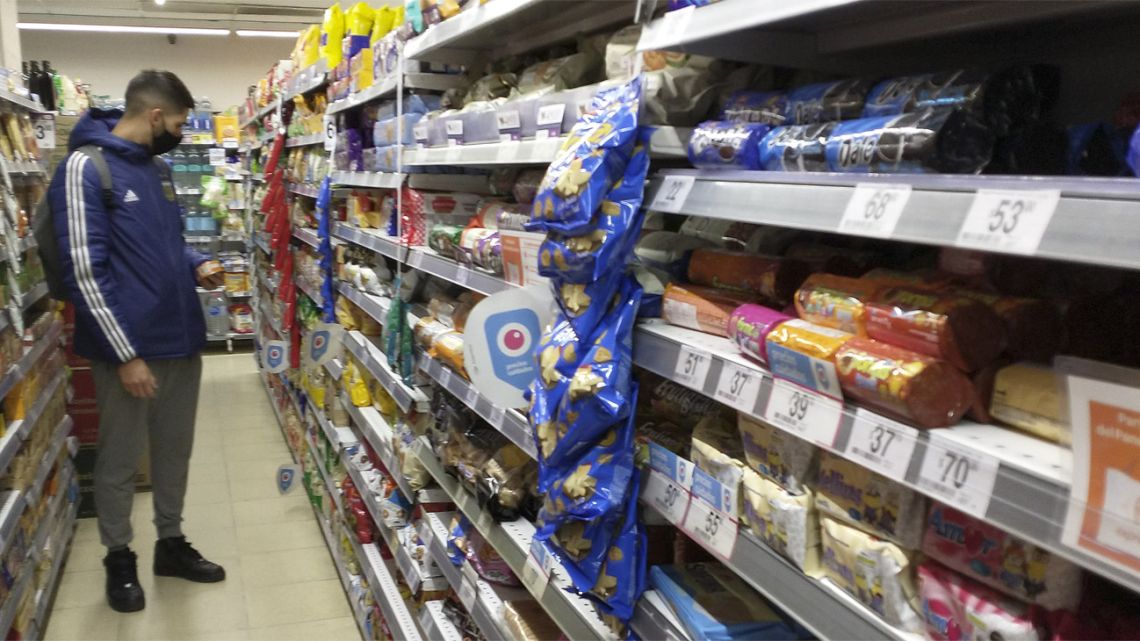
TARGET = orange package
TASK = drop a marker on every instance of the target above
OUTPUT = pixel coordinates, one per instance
(701, 308)
(804, 353)
(835, 301)
(776, 279)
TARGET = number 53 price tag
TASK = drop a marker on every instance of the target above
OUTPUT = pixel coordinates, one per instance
(958, 476)
(1009, 221)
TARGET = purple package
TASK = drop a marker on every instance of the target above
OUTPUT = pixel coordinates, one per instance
(749, 326)
(489, 253)
(355, 150)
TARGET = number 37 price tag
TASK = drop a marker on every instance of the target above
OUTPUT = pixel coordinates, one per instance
(1009, 221)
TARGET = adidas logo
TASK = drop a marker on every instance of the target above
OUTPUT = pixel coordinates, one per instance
(130, 197)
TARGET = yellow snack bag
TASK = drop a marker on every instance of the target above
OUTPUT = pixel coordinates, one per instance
(310, 46)
(381, 23)
(787, 523)
(332, 32)
(875, 572)
(359, 20)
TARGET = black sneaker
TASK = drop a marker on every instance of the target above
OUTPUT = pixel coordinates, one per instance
(176, 557)
(124, 593)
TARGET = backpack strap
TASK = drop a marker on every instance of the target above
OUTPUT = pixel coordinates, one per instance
(95, 153)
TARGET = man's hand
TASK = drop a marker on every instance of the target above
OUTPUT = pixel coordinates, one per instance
(211, 275)
(137, 379)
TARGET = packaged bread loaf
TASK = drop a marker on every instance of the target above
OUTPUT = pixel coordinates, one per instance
(835, 301)
(704, 309)
(1000, 560)
(776, 279)
(875, 572)
(749, 326)
(786, 522)
(918, 389)
(777, 455)
(965, 333)
(804, 353)
(1028, 397)
(874, 503)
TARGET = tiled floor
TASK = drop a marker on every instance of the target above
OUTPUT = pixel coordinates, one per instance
(281, 583)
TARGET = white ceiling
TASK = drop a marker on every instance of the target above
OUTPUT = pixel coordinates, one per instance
(232, 14)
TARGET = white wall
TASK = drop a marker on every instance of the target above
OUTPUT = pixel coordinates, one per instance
(221, 67)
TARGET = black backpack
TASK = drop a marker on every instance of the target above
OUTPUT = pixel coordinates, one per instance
(43, 224)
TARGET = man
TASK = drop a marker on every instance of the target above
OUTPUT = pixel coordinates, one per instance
(131, 278)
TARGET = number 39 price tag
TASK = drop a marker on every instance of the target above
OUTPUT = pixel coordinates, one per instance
(44, 127)
(738, 387)
(1009, 221)
(958, 476)
(881, 444)
(810, 416)
(874, 210)
(670, 197)
(692, 368)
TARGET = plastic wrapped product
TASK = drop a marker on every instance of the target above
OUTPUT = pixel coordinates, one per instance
(804, 353)
(955, 608)
(849, 492)
(621, 579)
(731, 234)
(841, 261)
(1028, 397)
(667, 251)
(777, 455)
(826, 101)
(764, 107)
(835, 301)
(448, 347)
(796, 147)
(1036, 149)
(983, 552)
(776, 279)
(1096, 149)
(704, 309)
(786, 522)
(749, 326)
(585, 304)
(965, 333)
(875, 572)
(495, 214)
(445, 239)
(525, 188)
(527, 620)
(717, 144)
(716, 449)
(487, 563)
(916, 388)
(1034, 329)
(713, 603)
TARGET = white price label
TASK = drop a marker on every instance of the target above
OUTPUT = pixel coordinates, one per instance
(1009, 221)
(670, 197)
(541, 134)
(467, 593)
(507, 120)
(217, 157)
(44, 127)
(958, 476)
(471, 396)
(714, 529)
(330, 133)
(444, 376)
(420, 133)
(809, 415)
(497, 416)
(550, 115)
(676, 23)
(881, 444)
(534, 577)
(738, 387)
(415, 259)
(462, 275)
(874, 210)
(667, 496)
(692, 368)
(454, 127)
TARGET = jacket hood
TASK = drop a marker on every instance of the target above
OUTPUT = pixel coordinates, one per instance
(94, 128)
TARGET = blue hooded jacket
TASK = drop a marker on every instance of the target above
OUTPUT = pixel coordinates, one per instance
(129, 273)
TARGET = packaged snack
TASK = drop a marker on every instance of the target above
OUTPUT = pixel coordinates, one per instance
(983, 552)
(448, 347)
(776, 279)
(841, 261)
(875, 572)
(712, 602)
(585, 304)
(1034, 329)
(718, 144)
(592, 158)
(955, 609)
(667, 251)
(796, 147)
(527, 620)
(785, 522)
(764, 107)
(621, 579)
(916, 388)
(487, 563)
(835, 301)
(777, 455)
(716, 449)
(804, 353)
(965, 333)
(241, 318)
(749, 326)
(526, 185)
(1028, 397)
(852, 493)
(704, 309)
(505, 481)
(826, 101)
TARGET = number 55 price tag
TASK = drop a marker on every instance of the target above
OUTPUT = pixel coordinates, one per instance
(958, 476)
(1009, 221)
(874, 210)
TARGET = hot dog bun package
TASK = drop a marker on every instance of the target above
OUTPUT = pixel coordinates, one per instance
(713, 603)
(749, 326)
(1000, 560)
(1028, 397)
(804, 353)
(876, 572)
(776, 455)
(849, 492)
(786, 522)
(704, 309)
(954, 608)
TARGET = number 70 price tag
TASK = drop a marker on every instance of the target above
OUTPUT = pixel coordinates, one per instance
(958, 476)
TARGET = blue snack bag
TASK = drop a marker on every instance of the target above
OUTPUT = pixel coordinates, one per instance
(826, 101)
(559, 352)
(585, 304)
(457, 539)
(763, 107)
(580, 546)
(542, 416)
(796, 147)
(621, 579)
(591, 160)
(717, 144)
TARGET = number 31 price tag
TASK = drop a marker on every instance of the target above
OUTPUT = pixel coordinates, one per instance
(958, 476)
(1009, 221)
(874, 210)
(670, 197)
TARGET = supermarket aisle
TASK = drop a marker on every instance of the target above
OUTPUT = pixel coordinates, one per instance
(281, 582)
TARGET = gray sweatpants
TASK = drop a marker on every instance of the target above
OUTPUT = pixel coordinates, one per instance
(125, 422)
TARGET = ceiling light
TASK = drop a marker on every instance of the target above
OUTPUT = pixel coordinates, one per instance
(257, 33)
(103, 28)
(160, 2)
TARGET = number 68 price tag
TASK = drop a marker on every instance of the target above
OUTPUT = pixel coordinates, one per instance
(874, 210)
(958, 476)
(1009, 221)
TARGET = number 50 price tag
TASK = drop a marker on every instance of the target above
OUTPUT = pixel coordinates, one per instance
(1009, 221)
(958, 476)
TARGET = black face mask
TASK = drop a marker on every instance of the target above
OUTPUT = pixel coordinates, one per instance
(163, 142)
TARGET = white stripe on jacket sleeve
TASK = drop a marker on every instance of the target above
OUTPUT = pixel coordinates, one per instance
(81, 260)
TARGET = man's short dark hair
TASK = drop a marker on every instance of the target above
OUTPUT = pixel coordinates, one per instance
(153, 88)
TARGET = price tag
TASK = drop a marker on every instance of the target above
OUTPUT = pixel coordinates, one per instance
(462, 275)
(509, 125)
(958, 476)
(692, 368)
(666, 496)
(670, 197)
(536, 571)
(874, 210)
(1009, 221)
(415, 259)
(44, 127)
(330, 133)
(471, 396)
(549, 121)
(420, 133)
(467, 593)
(498, 414)
(444, 377)
(738, 387)
(708, 522)
(541, 134)
(809, 415)
(217, 157)
(230, 143)
(676, 23)
(881, 444)
(454, 132)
